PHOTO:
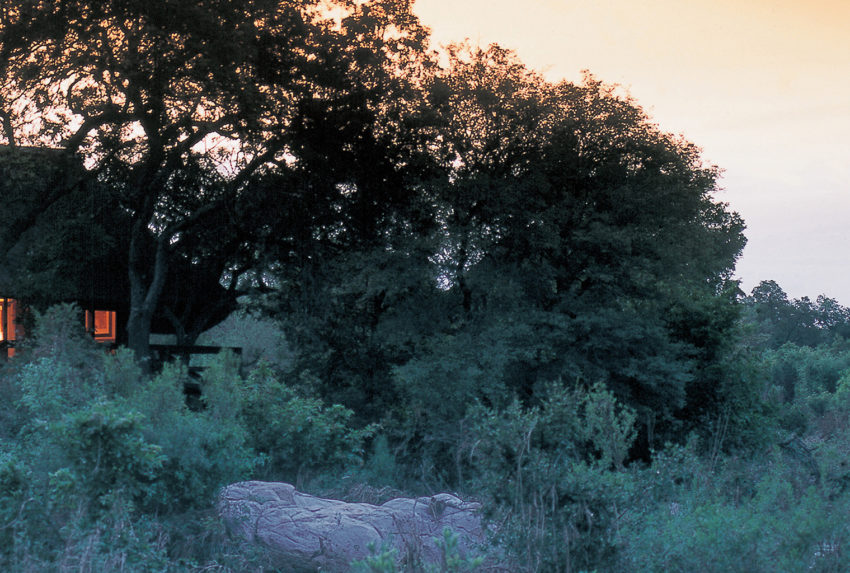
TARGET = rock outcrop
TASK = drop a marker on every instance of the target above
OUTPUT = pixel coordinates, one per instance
(305, 533)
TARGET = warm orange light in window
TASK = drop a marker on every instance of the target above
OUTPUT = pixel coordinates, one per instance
(8, 330)
(7, 319)
(102, 326)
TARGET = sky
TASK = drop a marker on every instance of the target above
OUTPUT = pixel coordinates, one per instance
(762, 86)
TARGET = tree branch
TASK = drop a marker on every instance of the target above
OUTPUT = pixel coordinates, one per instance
(8, 128)
(110, 116)
(237, 182)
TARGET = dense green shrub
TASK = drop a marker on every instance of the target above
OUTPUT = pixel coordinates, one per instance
(549, 476)
(103, 469)
(764, 514)
(386, 559)
(803, 371)
(121, 373)
(299, 436)
(107, 454)
(203, 450)
(13, 499)
(59, 333)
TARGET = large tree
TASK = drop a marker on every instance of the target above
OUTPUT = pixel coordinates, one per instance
(181, 106)
(568, 239)
(583, 237)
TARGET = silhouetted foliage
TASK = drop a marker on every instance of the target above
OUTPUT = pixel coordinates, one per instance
(780, 320)
(179, 106)
(557, 235)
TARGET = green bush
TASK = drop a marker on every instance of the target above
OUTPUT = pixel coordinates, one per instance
(203, 450)
(299, 436)
(59, 333)
(107, 454)
(387, 560)
(803, 371)
(121, 373)
(757, 511)
(775, 530)
(547, 472)
(13, 499)
(99, 466)
(119, 539)
(381, 467)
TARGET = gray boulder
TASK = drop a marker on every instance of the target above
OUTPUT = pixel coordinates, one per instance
(307, 533)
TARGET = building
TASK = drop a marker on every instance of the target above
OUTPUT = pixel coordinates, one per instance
(101, 324)
(64, 240)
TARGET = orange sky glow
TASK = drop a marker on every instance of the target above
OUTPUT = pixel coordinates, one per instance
(762, 86)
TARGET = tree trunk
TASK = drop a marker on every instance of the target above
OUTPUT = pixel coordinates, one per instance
(144, 295)
(138, 334)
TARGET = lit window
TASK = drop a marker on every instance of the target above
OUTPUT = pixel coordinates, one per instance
(7, 319)
(8, 330)
(102, 326)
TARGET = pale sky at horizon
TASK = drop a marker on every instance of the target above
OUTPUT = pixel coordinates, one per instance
(762, 86)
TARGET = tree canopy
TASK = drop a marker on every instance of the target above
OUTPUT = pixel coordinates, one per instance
(780, 320)
(422, 223)
(179, 106)
(558, 235)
